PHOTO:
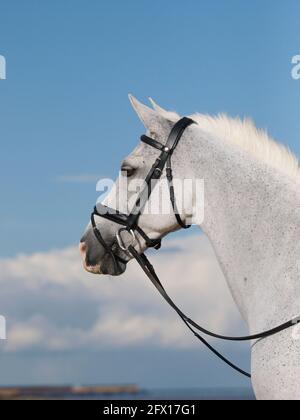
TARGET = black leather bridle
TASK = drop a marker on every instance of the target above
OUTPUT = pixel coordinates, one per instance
(130, 222)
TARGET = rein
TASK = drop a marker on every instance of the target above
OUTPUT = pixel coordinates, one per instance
(129, 224)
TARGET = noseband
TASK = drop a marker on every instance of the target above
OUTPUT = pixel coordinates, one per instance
(130, 226)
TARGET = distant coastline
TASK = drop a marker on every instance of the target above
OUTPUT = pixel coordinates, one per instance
(121, 392)
(63, 392)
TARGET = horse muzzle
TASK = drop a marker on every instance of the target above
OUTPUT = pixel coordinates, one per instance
(94, 265)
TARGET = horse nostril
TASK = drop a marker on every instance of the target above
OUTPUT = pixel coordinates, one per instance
(82, 240)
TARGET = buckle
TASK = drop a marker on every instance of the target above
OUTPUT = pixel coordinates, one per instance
(121, 241)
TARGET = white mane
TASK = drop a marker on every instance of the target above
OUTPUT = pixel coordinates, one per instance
(245, 134)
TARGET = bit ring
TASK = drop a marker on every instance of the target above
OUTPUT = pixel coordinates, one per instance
(121, 242)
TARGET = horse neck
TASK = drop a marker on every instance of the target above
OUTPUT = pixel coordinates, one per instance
(252, 220)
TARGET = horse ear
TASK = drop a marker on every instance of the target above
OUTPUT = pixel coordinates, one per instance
(170, 115)
(145, 114)
(151, 119)
(156, 107)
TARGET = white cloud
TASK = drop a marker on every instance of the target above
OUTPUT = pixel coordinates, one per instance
(51, 303)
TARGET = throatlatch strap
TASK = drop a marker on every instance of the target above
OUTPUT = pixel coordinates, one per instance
(172, 197)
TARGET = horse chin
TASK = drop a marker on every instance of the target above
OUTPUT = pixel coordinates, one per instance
(111, 270)
(107, 267)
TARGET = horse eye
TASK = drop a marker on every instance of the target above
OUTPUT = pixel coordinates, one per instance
(128, 171)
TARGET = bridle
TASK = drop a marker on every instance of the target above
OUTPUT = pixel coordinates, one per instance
(130, 222)
(130, 225)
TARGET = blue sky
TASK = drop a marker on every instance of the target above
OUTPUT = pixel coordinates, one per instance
(64, 112)
(70, 65)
